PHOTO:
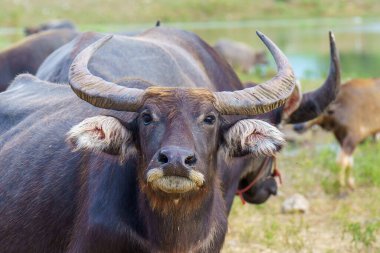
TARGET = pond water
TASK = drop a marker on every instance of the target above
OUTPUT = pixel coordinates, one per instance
(305, 41)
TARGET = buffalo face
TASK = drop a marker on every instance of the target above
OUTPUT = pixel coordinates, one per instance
(178, 131)
(176, 136)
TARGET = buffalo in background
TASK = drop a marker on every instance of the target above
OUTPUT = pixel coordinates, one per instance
(240, 55)
(51, 25)
(352, 117)
(27, 55)
(298, 108)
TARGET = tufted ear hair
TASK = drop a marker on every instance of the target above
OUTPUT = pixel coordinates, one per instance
(251, 136)
(101, 134)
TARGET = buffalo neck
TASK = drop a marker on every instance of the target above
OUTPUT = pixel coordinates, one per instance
(179, 230)
(231, 173)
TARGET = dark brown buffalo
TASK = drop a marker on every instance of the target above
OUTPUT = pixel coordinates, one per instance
(299, 108)
(51, 25)
(28, 54)
(239, 55)
(132, 167)
(352, 117)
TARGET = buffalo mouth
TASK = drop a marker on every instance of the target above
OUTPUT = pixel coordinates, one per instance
(173, 183)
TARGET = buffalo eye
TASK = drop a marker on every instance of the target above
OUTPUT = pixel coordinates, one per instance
(210, 119)
(147, 118)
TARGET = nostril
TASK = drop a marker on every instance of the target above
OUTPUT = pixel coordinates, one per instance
(190, 160)
(162, 158)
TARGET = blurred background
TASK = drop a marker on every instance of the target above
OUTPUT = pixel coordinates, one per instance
(300, 28)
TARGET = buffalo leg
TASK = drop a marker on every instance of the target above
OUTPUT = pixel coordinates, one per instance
(376, 137)
(345, 161)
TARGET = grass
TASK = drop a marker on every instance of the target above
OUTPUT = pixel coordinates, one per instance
(368, 161)
(22, 13)
(363, 235)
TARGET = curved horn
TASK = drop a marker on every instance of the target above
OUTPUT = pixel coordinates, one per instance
(315, 102)
(263, 97)
(98, 91)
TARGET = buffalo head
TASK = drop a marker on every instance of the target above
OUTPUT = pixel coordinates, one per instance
(177, 132)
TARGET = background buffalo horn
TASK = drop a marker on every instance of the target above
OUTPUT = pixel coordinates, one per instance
(315, 102)
(96, 90)
(263, 97)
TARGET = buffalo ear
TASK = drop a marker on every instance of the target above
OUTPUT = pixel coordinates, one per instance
(101, 134)
(251, 136)
(293, 102)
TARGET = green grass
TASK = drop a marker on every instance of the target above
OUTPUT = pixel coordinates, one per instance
(22, 13)
(367, 161)
(363, 235)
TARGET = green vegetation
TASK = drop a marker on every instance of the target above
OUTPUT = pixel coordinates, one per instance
(22, 13)
(368, 160)
(363, 235)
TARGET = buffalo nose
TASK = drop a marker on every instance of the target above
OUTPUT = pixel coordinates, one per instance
(176, 155)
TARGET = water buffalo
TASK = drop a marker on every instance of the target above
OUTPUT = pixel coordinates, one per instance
(258, 178)
(51, 25)
(299, 108)
(27, 55)
(132, 167)
(239, 55)
(352, 118)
